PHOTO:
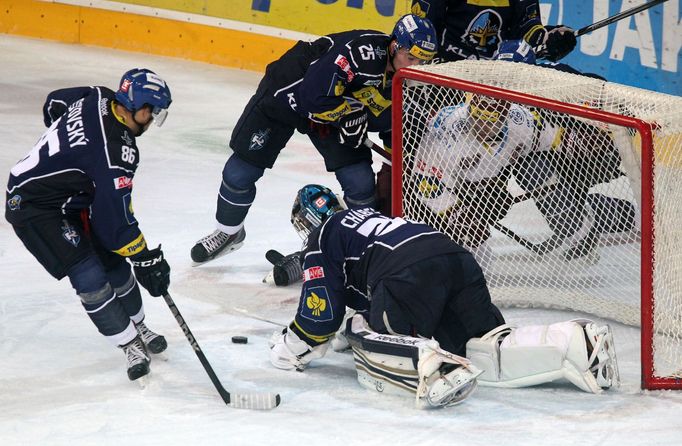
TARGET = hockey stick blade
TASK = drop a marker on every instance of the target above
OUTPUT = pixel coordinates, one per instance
(238, 401)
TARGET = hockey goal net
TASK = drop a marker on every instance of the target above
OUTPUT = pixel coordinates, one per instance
(566, 188)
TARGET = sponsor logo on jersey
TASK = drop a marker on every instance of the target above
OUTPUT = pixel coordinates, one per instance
(316, 307)
(258, 139)
(316, 272)
(516, 116)
(14, 203)
(123, 182)
(70, 234)
(343, 63)
(104, 107)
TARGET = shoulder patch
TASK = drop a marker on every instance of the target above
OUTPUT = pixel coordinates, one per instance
(316, 305)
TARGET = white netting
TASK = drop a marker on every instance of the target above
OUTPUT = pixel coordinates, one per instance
(550, 202)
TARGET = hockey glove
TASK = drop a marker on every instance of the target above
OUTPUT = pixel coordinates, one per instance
(559, 41)
(152, 271)
(286, 270)
(289, 352)
(353, 128)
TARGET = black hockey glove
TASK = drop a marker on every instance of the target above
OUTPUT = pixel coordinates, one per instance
(286, 270)
(353, 128)
(152, 271)
(559, 41)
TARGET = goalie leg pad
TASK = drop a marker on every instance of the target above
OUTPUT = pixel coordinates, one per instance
(406, 365)
(579, 351)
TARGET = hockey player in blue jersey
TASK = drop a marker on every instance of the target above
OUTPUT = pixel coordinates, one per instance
(422, 304)
(69, 201)
(334, 90)
(469, 29)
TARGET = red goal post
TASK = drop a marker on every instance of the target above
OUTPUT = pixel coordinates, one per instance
(419, 97)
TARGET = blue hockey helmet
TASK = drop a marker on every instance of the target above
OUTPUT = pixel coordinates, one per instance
(140, 87)
(516, 51)
(313, 205)
(417, 36)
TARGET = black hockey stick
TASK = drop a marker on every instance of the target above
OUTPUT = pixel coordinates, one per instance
(236, 400)
(616, 17)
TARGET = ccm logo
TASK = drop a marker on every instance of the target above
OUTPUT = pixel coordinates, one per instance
(316, 272)
(147, 263)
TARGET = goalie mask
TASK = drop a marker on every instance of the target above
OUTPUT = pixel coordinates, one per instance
(313, 205)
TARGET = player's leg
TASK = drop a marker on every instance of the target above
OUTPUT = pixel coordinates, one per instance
(127, 291)
(411, 366)
(352, 167)
(60, 244)
(580, 351)
(260, 134)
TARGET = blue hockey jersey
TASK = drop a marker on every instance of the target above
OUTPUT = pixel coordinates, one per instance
(85, 160)
(346, 257)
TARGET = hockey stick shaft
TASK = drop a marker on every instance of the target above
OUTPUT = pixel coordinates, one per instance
(616, 17)
(376, 148)
(241, 401)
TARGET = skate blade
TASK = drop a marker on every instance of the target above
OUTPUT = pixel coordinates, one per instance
(161, 356)
(143, 381)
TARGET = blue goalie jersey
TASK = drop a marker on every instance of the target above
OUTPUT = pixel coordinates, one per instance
(346, 257)
(85, 160)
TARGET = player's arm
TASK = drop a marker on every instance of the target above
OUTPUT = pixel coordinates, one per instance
(551, 42)
(58, 101)
(113, 218)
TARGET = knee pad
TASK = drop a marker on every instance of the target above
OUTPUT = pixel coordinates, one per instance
(358, 184)
(90, 281)
(239, 179)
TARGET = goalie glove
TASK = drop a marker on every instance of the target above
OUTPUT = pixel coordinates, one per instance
(353, 128)
(556, 43)
(286, 270)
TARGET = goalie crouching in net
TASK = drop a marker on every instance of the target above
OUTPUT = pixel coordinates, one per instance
(470, 152)
(425, 324)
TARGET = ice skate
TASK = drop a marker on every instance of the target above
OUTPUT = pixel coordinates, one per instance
(216, 245)
(138, 359)
(154, 342)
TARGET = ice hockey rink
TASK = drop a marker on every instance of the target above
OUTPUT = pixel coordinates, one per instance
(63, 383)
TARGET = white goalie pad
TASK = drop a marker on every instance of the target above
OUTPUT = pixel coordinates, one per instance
(405, 365)
(579, 351)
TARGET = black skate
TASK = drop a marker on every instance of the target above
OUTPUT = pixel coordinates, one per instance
(216, 245)
(138, 359)
(154, 342)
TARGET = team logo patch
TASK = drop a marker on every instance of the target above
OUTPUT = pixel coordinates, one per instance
(316, 272)
(70, 234)
(14, 203)
(258, 139)
(123, 182)
(516, 116)
(316, 306)
(126, 138)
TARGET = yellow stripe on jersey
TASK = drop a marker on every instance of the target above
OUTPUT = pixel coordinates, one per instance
(558, 137)
(319, 339)
(372, 99)
(133, 247)
(493, 3)
(333, 115)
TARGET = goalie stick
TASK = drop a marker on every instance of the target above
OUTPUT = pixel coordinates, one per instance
(236, 400)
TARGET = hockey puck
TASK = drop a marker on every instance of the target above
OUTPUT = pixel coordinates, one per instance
(239, 339)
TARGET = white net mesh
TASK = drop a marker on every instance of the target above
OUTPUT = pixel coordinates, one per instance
(549, 202)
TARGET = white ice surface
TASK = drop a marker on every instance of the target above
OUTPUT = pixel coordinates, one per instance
(62, 383)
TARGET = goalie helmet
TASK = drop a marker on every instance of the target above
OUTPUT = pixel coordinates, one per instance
(417, 36)
(313, 205)
(140, 87)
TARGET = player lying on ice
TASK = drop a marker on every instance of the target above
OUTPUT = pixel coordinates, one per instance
(425, 323)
